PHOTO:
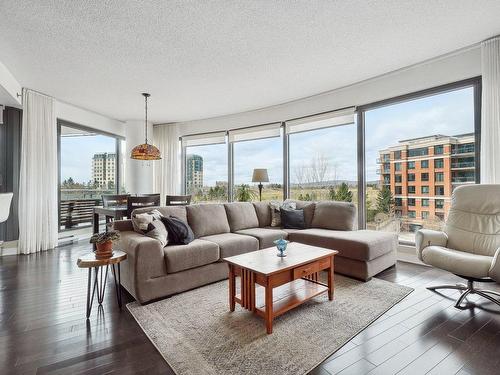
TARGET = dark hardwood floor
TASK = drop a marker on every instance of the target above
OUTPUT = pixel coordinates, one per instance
(43, 328)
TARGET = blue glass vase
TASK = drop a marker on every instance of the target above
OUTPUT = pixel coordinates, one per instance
(281, 245)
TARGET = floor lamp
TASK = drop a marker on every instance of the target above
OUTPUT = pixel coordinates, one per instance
(260, 176)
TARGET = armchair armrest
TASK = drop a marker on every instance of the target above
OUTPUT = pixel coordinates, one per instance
(494, 272)
(427, 237)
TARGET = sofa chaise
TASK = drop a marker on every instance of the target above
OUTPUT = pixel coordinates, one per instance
(152, 271)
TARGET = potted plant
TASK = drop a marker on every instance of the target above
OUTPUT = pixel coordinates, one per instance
(104, 243)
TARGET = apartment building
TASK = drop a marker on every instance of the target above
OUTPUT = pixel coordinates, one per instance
(194, 172)
(104, 170)
(422, 173)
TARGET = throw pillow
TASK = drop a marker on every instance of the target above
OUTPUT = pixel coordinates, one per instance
(275, 211)
(140, 222)
(179, 232)
(156, 229)
(292, 219)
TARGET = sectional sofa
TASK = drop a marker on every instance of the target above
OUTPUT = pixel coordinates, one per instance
(222, 230)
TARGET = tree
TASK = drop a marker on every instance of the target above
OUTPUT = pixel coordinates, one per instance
(244, 193)
(343, 193)
(385, 201)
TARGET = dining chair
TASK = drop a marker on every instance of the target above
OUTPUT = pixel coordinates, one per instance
(111, 200)
(142, 201)
(178, 200)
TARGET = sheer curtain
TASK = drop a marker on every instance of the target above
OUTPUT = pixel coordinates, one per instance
(167, 170)
(38, 176)
(490, 111)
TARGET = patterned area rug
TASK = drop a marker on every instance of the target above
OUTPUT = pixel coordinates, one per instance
(196, 333)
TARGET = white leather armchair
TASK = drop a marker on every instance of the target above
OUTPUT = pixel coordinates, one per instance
(469, 246)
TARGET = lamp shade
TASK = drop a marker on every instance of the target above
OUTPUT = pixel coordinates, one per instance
(260, 175)
(145, 152)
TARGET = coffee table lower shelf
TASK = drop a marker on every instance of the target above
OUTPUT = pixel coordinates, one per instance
(286, 297)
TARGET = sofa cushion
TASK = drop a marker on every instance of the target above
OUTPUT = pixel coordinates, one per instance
(233, 244)
(308, 208)
(241, 215)
(359, 244)
(207, 219)
(179, 211)
(292, 219)
(195, 254)
(334, 215)
(264, 235)
(263, 212)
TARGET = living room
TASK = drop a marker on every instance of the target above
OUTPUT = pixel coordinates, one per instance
(234, 187)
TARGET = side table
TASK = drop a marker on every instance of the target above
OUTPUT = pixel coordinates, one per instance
(90, 261)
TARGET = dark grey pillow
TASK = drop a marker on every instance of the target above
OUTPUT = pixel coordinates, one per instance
(292, 219)
(179, 232)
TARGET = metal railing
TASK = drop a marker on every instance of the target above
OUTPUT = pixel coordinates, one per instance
(463, 179)
(464, 164)
(75, 212)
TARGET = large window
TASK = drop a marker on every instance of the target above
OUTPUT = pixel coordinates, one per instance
(259, 147)
(89, 166)
(420, 128)
(205, 159)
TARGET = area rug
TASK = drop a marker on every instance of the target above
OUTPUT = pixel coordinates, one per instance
(196, 333)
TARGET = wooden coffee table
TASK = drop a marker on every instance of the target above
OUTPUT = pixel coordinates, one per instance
(270, 285)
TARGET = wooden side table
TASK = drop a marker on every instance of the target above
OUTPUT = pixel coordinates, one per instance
(90, 261)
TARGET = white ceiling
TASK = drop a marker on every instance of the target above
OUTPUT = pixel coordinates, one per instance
(201, 59)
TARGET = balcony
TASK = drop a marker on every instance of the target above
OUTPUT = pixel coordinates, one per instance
(463, 149)
(463, 179)
(463, 165)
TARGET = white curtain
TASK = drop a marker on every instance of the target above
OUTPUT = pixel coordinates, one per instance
(167, 170)
(490, 111)
(38, 176)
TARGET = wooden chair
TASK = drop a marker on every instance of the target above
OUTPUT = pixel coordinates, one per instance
(111, 200)
(138, 202)
(178, 200)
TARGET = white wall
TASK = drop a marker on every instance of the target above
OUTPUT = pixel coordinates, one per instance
(138, 174)
(445, 69)
(9, 88)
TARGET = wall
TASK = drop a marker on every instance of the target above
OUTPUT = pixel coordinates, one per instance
(9, 88)
(445, 69)
(138, 174)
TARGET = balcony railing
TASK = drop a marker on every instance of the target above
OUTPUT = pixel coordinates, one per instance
(463, 149)
(76, 213)
(464, 164)
(463, 179)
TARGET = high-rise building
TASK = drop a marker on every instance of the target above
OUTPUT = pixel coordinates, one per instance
(422, 173)
(194, 172)
(104, 170)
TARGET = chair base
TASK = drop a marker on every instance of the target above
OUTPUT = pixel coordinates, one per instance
(470, 289)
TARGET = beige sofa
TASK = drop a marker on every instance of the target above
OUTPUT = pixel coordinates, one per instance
(222, 230)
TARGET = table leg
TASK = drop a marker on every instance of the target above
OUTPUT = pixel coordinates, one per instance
(118, 285)
(331, 285)
(232, 288)
(89, 304)
(102, 286)
(269, 309)
(95, 225)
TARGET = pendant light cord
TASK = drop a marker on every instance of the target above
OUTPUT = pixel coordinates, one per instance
(146, 120)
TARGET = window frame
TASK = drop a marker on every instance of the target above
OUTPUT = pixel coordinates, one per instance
(118, 150)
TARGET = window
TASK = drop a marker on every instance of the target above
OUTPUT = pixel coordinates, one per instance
(439, 203)
(398, 202)
(422, 151)
(440, 215)
(439, 190)
(411, 189)
(258, 147)
(425, 124)
(411, 201)
(398, 190)
(412, 214)
(398, 178)
(425, 202)
(425, 215)
(89, 166)
(206, 167)
(465, 148)
(320, 172)
(397, 167)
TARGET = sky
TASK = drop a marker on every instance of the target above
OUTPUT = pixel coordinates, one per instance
(448, 113)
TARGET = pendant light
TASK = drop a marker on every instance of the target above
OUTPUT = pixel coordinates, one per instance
(145, 151)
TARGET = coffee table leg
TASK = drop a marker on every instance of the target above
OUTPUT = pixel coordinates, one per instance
(330, 280)
(118, 288)
(232, 288)
(269, 309)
